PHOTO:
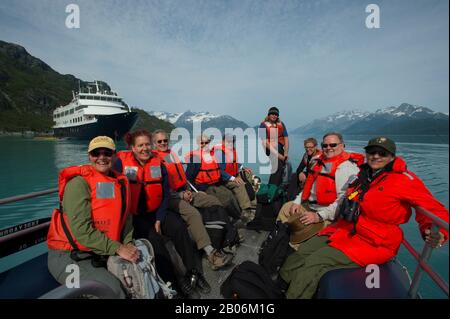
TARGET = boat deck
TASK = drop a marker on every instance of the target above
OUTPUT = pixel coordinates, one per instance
(248, 250)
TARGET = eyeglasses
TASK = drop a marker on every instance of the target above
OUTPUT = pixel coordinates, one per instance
(98, 152)
(162, 141)
(332, 145)
(381, 153)
(309, 147)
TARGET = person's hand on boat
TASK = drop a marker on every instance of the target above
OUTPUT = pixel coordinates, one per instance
(281, 157)
(128, 252)
(158, 227)
(433, 241)
(308, 218)
(187, 196)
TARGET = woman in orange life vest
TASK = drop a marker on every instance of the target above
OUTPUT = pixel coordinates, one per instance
(93, 221)
(368, 229)
(204, 173)
(151, 218)
(277, 146)
(188, 203)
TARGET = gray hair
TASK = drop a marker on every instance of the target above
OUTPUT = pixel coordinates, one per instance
(338, 135)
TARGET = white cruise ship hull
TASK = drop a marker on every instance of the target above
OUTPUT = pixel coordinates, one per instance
(114, 126)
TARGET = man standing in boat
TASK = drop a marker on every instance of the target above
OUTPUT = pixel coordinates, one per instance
(276, 144)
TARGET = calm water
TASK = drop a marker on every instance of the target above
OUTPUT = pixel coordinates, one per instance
(28, 165)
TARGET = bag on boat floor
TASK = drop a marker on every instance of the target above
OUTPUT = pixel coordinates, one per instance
(269, 193)
(140, 280)
(248, 185)
(294, 188)
(275, 249)
(250, 281)
(265, 216)
(219, 227)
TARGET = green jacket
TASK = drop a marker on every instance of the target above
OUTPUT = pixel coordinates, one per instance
(77, 207)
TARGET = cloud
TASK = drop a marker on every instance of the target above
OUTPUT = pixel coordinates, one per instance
(310, 58)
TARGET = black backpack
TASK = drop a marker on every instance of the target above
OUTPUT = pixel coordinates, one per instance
(250, 281)
(218, 226)
(248, 186)
(275, 249)
(265, 216)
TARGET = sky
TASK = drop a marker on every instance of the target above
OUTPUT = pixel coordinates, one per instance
(237, 57)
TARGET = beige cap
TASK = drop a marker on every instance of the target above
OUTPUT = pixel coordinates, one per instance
(101, 141)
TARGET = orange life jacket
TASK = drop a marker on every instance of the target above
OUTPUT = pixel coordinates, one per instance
(107, 210)
(232, 166)
(270, 131)
(175, 170)
(322, 172)
(147, 177)
(209, 173)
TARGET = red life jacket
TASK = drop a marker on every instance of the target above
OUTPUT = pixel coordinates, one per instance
(316, 154)
(322, 172)
(175, 170)
(209, 173)
(270, 131)
(107, 210)
(232, 166)
(147, 177)
(385, 206)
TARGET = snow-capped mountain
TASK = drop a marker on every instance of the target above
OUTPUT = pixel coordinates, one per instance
(207, 119)
(404, 119)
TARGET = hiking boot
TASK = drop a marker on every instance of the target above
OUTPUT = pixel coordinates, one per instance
(201, 282)
(218, 259)
(187, 287)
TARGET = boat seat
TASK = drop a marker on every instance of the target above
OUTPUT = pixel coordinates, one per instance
(29, 280)
(351, 284)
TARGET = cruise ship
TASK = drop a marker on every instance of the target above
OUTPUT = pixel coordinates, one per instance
(93, 111)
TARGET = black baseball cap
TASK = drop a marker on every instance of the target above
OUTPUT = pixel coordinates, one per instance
(383, 142)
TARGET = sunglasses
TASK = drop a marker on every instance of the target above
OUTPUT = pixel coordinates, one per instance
(98, 152)
(162, 141)
(309, 147)
(332, 145)
(381, 153)
(204, 143)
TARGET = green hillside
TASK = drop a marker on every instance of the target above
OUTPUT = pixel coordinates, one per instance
(30, 90)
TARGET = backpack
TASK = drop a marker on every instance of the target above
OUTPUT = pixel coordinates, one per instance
(270, 200)
(248, 185)
(218, 226)
(250, 281)
(275, 249)
(140, 280)
(268, 193)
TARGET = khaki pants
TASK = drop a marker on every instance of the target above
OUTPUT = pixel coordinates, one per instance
(240, 193)
(192, 216)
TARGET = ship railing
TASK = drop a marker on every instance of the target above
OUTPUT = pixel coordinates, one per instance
(421, 258)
